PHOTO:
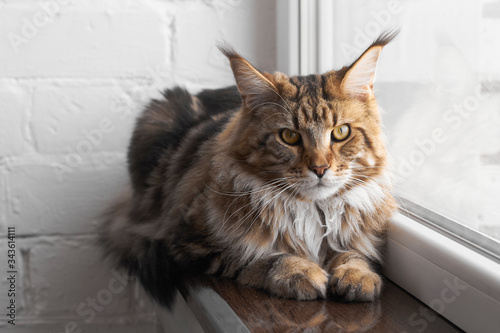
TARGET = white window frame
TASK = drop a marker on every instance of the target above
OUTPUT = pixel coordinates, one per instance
(461, 284)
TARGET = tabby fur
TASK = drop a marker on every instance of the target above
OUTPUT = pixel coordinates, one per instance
(216, 190)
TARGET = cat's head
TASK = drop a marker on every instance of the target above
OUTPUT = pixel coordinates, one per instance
(313, 136)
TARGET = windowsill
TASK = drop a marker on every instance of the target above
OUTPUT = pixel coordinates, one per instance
(224, 306)
(459, 283)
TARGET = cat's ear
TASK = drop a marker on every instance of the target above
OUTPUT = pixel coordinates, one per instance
(359, 79)
(254, 87)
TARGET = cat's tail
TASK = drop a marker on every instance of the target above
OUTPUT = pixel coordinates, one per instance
(143, 257)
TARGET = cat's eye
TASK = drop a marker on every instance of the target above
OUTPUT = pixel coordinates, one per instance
(341, 132)
(290, 137)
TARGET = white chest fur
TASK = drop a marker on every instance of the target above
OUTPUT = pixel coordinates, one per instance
(311, 223)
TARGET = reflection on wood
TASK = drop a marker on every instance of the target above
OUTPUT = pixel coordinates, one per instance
(396, 311)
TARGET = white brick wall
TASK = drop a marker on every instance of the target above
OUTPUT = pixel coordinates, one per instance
(74, 74)
(14, 105)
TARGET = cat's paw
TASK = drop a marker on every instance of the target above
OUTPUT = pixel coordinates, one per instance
(355, 283)
(298, 278)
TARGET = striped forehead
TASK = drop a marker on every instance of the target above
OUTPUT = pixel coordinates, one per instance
(313, 109)
(310, 86)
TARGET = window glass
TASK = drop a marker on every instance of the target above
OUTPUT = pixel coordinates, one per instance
(438, 85)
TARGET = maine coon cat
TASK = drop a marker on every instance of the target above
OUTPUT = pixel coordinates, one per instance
(279, 183)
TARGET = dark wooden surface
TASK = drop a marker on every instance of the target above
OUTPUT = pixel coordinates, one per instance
(395, 311)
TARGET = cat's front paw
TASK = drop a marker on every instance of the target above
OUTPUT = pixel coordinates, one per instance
(298, 278)
(355, 283)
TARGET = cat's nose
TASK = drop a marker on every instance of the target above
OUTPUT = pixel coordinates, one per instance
(319, 170)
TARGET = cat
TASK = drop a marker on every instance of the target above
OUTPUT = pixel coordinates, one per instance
(280, 183)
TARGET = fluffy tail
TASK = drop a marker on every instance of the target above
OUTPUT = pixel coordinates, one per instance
(142, 257)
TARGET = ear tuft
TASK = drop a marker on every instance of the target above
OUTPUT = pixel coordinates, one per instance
(253, 86)
(228, 50)
(359, 79)
(386, 37)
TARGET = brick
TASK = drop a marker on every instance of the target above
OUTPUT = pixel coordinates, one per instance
(39, 203)
(223, 20)
(84, 41)
(71, 118)
(70, 278)
(3, 200)
(14, 104)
